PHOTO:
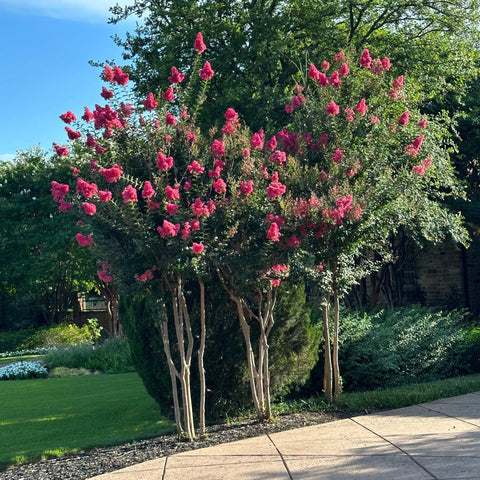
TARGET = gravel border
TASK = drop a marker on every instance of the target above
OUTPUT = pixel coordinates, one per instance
(103, 460)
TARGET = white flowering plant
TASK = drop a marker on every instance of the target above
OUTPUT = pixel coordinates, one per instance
(23, 370)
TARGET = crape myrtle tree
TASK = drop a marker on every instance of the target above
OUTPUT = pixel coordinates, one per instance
(166, 206)
(373, 164)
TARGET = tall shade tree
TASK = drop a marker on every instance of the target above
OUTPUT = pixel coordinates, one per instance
(47, 270)
(257, 46)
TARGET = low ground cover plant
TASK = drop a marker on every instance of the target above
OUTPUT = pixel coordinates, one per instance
(23, 370)
(111, 356)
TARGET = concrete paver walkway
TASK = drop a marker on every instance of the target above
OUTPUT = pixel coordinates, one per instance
(438, 440)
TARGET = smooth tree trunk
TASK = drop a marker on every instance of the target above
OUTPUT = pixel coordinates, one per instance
(337, 379)
(258, 368)
(327, 367)
(180, 374)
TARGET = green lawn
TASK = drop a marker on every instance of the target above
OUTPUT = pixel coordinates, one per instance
(43, 418)
(23, 358)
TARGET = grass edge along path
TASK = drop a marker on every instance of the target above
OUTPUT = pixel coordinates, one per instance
(45, 418)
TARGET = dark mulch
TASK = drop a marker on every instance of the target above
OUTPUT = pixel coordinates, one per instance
(102, 460)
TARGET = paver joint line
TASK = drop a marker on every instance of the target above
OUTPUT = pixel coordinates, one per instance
(449, 416)
(398, 448)
(281, 456)
(164, 468)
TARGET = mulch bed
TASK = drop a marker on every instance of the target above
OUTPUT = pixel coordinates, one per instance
(102, 460)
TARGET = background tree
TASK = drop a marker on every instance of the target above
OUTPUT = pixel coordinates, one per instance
(37, 268)
(257, 46)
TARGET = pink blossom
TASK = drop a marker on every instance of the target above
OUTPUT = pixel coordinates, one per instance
(246, 153)
(104, 195)
(404, 118)
(322, 79)
(288, 108)
(172, 193)
(337, 156)
(218, 149)
(423, 123)
(334, 80)
(278, 157)
(324, 66)
(199, 46)
(87, 189)
(187, 185)
(164, 162)
(211, 206)
(176, 76)
(68, 117)
(350, 114)
(275, 188)
(129, 194)
(332, 109)
(195, 167)
(246, 187)
(89, 208)
(257, 141)
(106, 94)
(197, 208)
(170, 119)
(272, 143)
(219, 186)
(195, 224)
(59, 190)
(148, 191)
(231, 115)
(206, 72)
(152, 205)
(168, 229)
(112, 174)
(186, 231)
(119, 76)
(275, 282)
(171, 208)
(168, 95)
(126, 109)
(145, 276)
(361, 107)
(339, 57)
(150, 103)
(344, 70)
(418, 169)
(298, 100)
(313, 73)
(104, 276)
(88, 115)
(280, 221)
(413, 148)
(293, 242)
(90, 142)
(366, 59)
(65, 206)
(99, 149)
(427, 163)
(107, 73)
(83, 240)
(75, 171)
(398, 83)
(215, 173)
(374, 120)
(197, 248)
(320, 267)
(386, 64)
(323, 140)
(60, 150)
(273, 233)
(72, 134)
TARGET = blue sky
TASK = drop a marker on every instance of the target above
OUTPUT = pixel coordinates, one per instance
(45, 46)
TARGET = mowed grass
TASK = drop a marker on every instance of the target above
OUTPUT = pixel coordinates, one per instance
(23, 358)
(45, 418)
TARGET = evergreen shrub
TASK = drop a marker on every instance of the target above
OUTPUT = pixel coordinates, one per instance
(293, 349)
(401, 346)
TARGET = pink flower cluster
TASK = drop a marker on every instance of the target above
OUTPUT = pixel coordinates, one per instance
(420, 169)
